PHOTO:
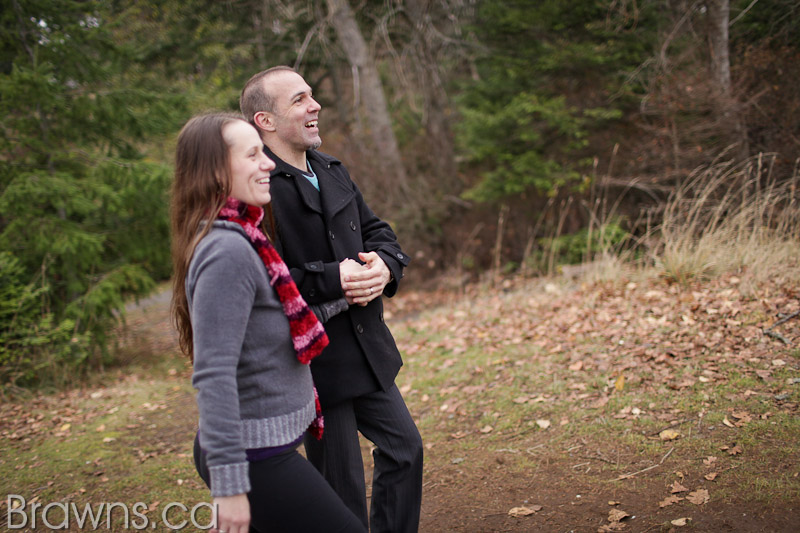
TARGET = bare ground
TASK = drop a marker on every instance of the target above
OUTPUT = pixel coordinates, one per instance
(525, 478)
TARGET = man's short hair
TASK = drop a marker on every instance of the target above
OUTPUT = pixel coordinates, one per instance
(254, 98)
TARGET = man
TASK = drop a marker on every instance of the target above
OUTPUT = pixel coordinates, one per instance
(335, 247)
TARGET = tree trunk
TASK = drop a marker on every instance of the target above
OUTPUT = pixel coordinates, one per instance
(367, 85)
(429, 85)
(728, 113)
(718, 20)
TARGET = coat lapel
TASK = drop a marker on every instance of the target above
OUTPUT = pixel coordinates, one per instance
(309, 194)
(333, 190)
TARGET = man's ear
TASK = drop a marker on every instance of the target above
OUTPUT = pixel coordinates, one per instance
(264, 121)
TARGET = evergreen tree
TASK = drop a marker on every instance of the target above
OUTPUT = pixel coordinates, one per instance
(83, 221)
(547, 70)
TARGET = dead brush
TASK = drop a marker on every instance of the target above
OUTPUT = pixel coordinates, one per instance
(731, 218)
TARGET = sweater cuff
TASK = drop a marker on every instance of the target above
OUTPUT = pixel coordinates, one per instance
(229, 480)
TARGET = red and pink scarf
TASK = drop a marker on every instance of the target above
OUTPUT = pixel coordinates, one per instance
(308, 335)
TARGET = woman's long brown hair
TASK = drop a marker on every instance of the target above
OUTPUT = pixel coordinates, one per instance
(201, 185)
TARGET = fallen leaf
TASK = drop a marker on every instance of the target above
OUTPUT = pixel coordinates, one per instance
(742, 418)
(613, 502)
(711, 477)
(600, 402)
(669, 434)
(487, 429)
(763, 373)
(65, 427)
(669, 500)
(617, 515)
(728, 422)
(736, 450)
(520, 399)
(576, 366)
(544, 424)
(677, 487)
(680, 522)
(522, 511)
(620, 383)
(698, 497)
(710, 460)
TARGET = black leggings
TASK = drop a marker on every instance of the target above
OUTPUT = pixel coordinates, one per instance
(288, 494)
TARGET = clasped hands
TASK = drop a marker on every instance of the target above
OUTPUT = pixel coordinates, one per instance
(363, 283)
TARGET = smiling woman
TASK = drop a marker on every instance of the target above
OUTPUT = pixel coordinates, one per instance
(250, 166)
(246, 328)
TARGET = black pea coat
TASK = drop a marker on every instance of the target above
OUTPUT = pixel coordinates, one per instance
(315, 231)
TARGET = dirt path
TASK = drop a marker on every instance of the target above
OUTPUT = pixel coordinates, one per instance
(531, 480)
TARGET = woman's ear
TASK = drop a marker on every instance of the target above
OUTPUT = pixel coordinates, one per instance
(264, 121)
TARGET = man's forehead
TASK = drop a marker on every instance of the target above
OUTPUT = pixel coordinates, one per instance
(286, 85)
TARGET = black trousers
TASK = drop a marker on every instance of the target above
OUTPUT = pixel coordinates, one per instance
(383, 418)
(289, 495)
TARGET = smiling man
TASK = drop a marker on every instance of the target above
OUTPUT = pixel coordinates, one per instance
(336, 247)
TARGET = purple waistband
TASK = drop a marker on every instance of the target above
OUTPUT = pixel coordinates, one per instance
(259, 454)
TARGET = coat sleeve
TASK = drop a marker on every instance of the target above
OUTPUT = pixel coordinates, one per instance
(379, 237)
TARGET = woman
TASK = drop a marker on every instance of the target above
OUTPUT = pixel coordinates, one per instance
(251, 337)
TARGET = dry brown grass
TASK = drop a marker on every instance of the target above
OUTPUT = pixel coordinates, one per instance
(731, 219)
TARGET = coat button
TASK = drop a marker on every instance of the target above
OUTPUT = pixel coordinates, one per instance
(331, 235)
(312, 266)
(399, 255)
(360, 328)
(312, 292)
(352, 225)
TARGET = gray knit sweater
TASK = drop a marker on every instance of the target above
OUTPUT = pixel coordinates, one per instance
(252, 392)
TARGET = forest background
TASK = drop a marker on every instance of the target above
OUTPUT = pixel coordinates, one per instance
(499, 137)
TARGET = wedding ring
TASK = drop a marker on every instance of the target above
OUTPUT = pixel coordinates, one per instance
(369, 290)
